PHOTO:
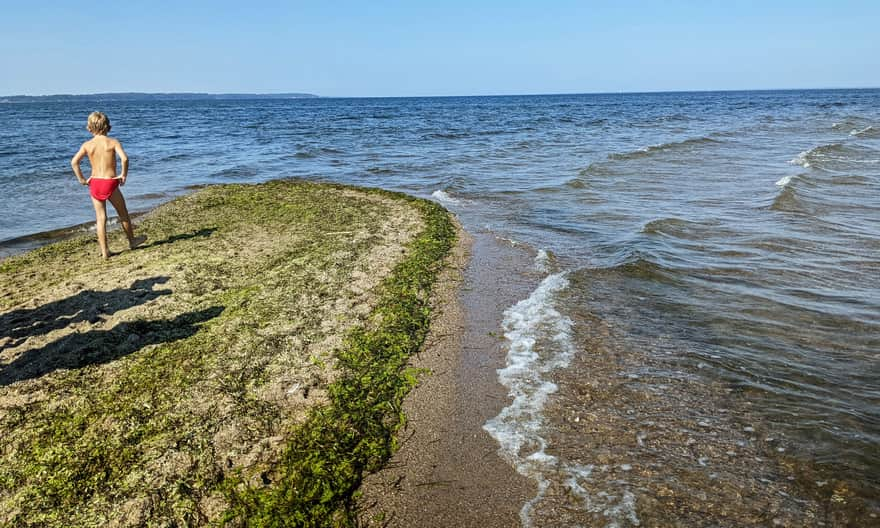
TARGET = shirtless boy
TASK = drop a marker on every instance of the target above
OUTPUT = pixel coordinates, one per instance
(104, 183)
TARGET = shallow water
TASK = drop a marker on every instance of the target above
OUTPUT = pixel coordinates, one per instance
(730, 236)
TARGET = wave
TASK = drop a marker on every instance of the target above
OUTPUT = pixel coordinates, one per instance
(177, 157)
(788, 201)
(517, 428)
(869, 132)
(663, 147)
(851, 179)
(641, 267)
(673, 117)
(542, 261)
(837, 158)
(314, 153)
(809, 158)
(235, 173)
(526, 145)
(675, 227)
(597, 169)
(577, 183)
(497, 132)
(446, 135)
(785, 180)
(444, 197)
(380, 170)
(850, 123)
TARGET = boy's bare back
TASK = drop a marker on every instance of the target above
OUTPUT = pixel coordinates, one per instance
(102, 152)
(103, 185)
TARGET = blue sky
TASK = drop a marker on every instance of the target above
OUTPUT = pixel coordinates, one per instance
(453, 47)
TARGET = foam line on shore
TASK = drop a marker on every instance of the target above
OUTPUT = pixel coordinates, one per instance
(540, 341)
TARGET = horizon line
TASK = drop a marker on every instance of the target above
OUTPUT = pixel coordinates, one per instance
(312, 95)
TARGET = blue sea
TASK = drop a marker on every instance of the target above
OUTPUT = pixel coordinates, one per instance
(728, 239)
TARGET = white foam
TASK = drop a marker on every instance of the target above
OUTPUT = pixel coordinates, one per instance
(624, 507)
(802, 159)
(867, 132)
(517, 429)
(616, 507)
(540, 341)
(785, 180)
(542, 261)
(442, 196)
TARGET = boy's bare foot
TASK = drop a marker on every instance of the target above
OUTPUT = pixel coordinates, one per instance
(136, 241)
(108, 255)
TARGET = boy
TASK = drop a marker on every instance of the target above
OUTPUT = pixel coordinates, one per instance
(104, 183)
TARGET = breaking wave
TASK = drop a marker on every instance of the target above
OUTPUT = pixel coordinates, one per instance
(785, 180)
(837, 157)
(444, 197)
(817, 155)
(542, 261)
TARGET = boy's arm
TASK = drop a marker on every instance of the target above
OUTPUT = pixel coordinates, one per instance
(75, 164)
(123, 158)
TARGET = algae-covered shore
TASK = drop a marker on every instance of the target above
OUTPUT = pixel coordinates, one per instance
(246, 366)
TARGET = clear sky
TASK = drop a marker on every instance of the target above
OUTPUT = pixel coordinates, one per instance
(449, 47)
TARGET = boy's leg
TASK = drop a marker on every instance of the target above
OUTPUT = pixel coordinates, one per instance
(119, 204)
(101, 226)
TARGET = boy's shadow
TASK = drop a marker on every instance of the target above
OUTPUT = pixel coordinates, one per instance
(87, 305)
(206, 232)
(102, 346)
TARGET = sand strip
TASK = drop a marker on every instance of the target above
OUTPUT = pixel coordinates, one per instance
(447, 472)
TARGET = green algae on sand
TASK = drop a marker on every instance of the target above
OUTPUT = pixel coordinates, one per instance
(245, 367)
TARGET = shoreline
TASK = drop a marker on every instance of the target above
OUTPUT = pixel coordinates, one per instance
(24, 243)
(448, 471)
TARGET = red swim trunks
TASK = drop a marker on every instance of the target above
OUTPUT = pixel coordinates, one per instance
(102, 188)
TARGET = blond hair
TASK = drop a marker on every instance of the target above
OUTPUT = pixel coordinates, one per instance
(98, 123)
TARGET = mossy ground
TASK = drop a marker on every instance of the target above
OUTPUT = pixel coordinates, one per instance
(245, 367)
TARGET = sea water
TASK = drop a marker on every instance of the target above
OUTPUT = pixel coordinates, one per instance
(727, 241)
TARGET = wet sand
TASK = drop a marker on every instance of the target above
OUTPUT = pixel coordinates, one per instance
(447, 471)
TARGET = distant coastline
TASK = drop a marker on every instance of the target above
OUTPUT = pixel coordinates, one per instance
(138, 96)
